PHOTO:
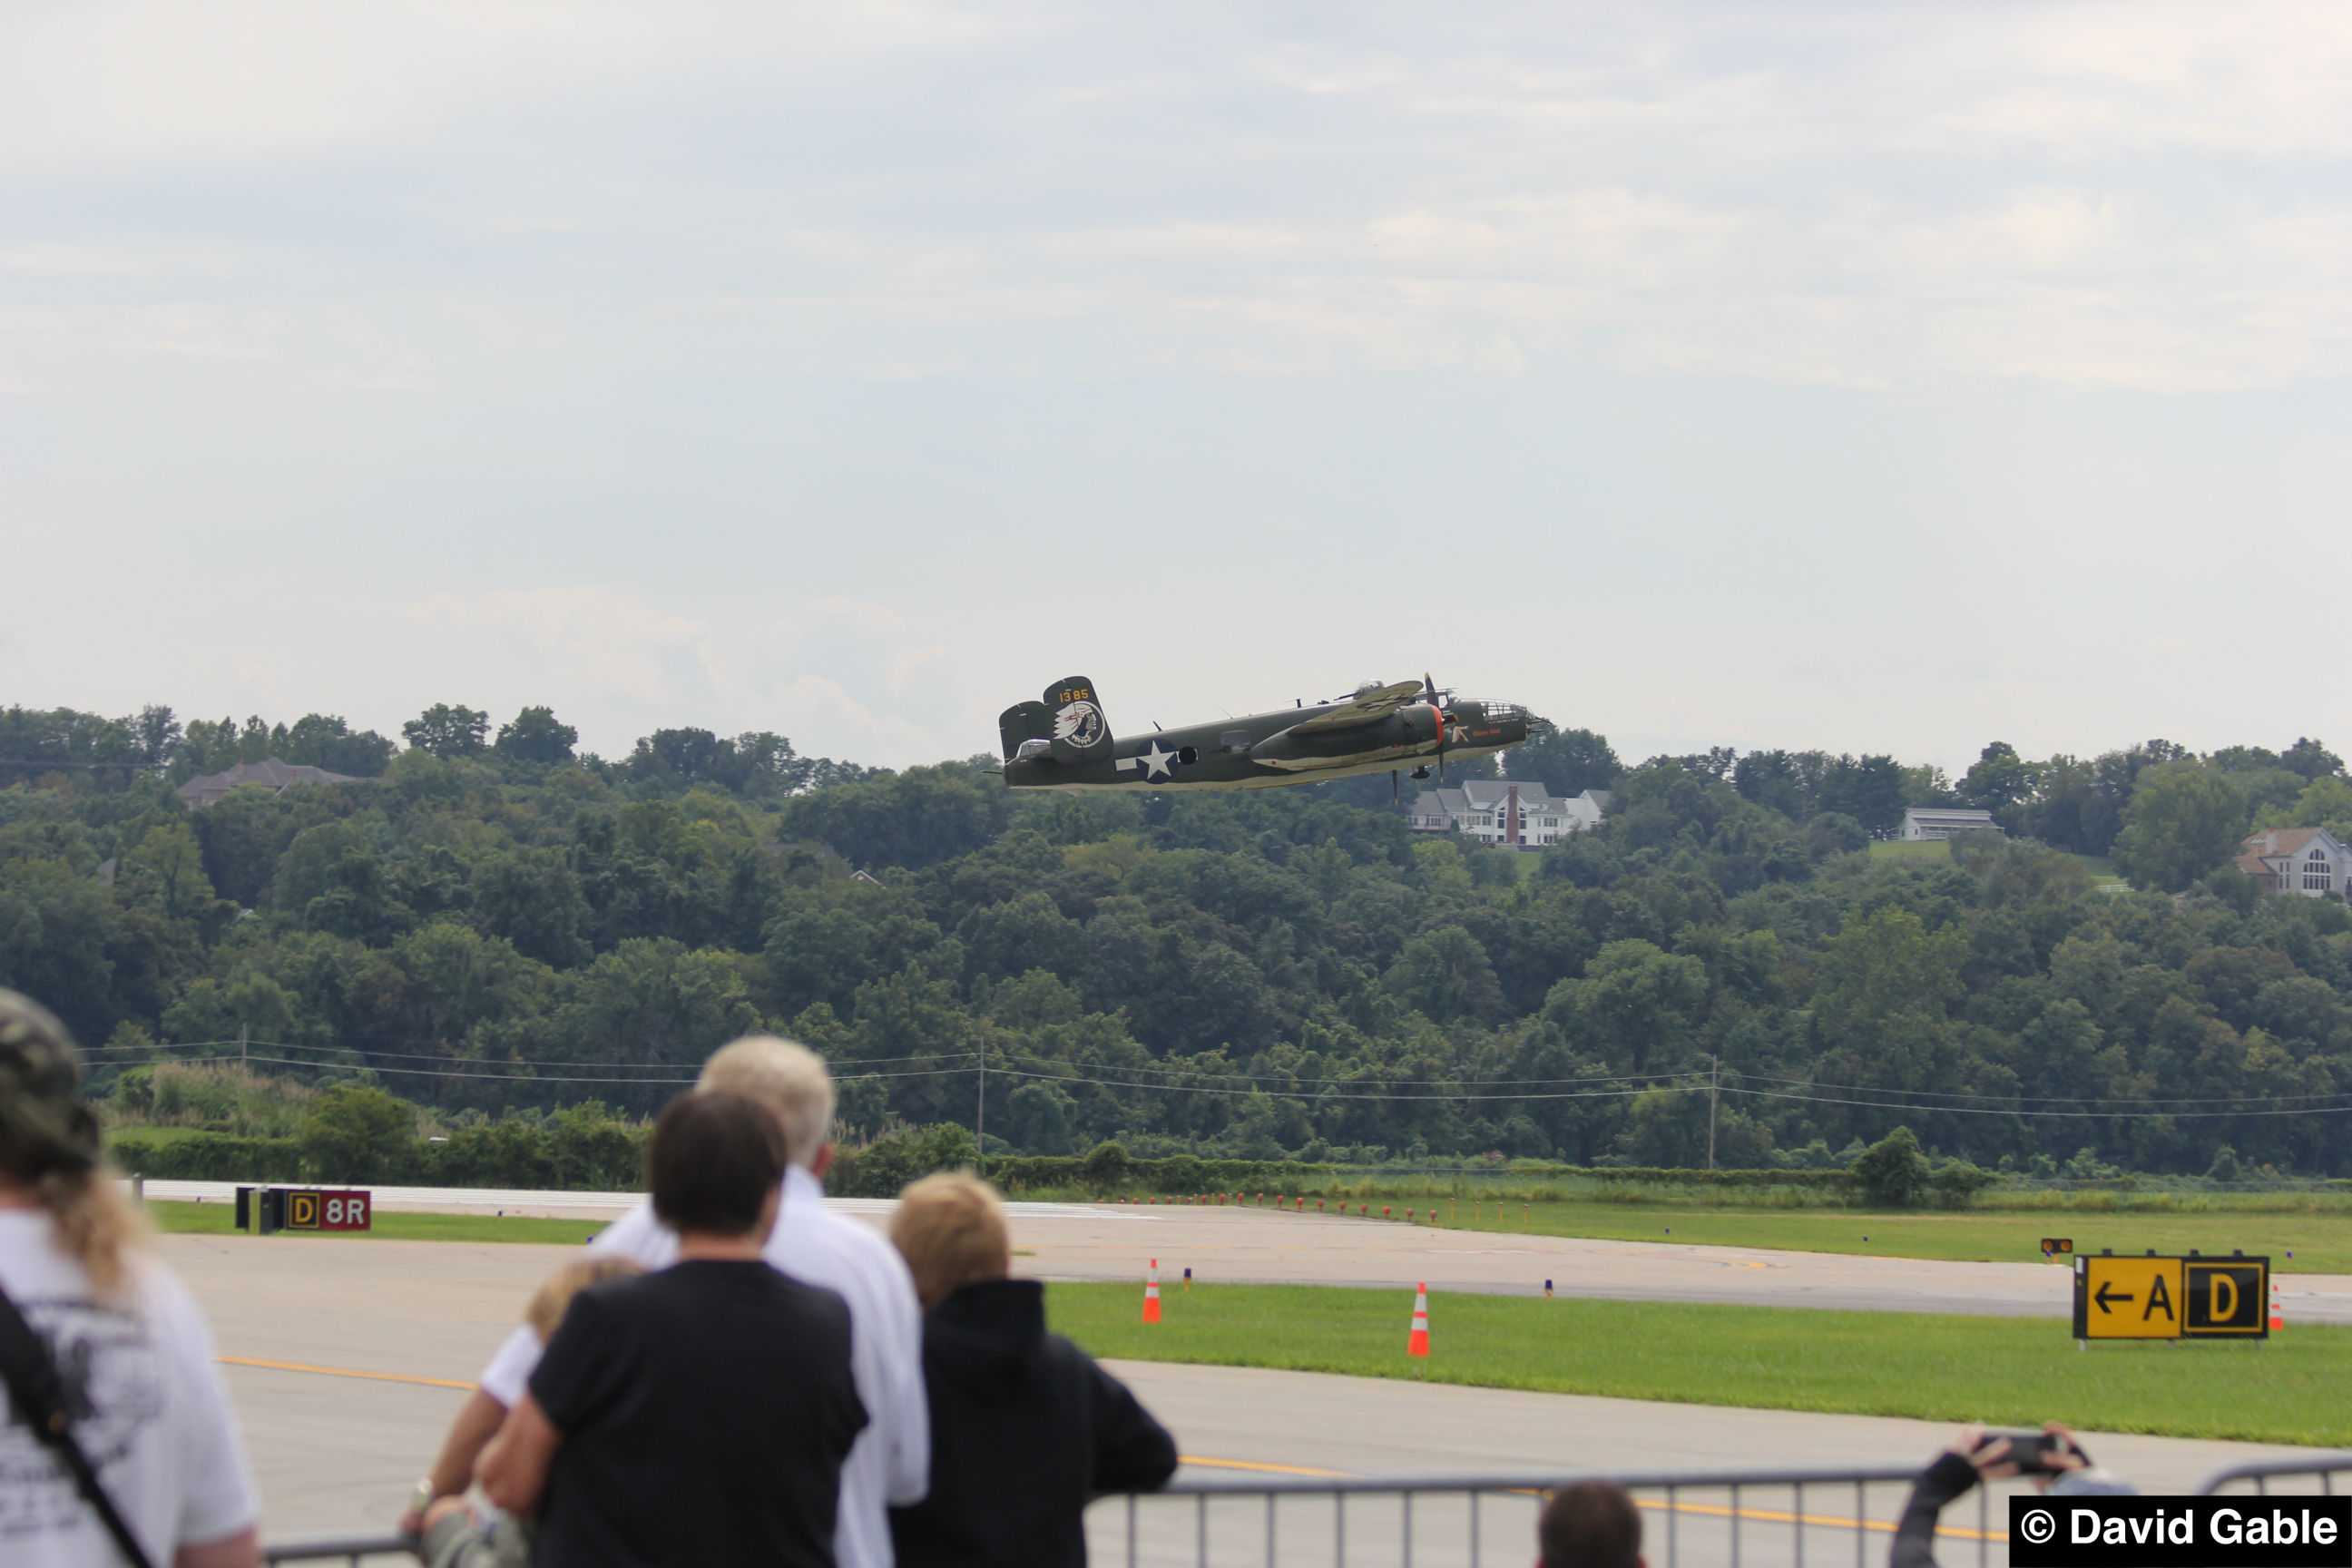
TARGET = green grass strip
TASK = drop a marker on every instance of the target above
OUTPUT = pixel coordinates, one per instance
(2321, 1242)
(2017, 1372)
(215, 1219)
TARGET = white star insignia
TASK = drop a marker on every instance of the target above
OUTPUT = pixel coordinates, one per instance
(1158, 764)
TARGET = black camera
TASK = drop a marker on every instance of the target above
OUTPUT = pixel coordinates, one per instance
(2032, 1452)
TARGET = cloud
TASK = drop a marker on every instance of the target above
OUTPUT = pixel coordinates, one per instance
(1838, 194)
(613, 640)
(848, 369)
(841, 676)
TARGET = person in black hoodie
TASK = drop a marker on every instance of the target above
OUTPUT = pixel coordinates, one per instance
(1025, 1428)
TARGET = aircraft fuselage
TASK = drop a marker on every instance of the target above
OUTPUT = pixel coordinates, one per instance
(1266, 750)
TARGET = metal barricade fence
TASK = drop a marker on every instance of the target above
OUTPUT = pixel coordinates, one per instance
(353, 1550)
(2320, 1468)
(1785, 1518)
(1771, 1519)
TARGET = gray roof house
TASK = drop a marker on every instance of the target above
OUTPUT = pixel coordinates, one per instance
(210, 789)
(1511, 812)
(2310, 861)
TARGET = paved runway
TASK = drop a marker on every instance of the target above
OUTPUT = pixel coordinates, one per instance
(1253, 1244)
(335, 1452)
(1249, 1244)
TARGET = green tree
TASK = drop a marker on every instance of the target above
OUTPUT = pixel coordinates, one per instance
(1891, 1172)
(1870, 790)
(1634, 1005)
(449, 731)
(1447, 976)
(1884, 965)
(1024, 933)
(536, 736)
(332, 879)
(460, 986)
(533, 897)
(916, 818)
(652, 1001)
(1567, 763)
(1043, 1117)
(357, 1132)
(2326, 801)
(325, 741)
(2184, 820)
(168, 859)
(1998, 780)
(2310, 759)
(56, 928)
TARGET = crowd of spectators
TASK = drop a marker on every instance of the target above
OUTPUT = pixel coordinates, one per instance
(732, 1373)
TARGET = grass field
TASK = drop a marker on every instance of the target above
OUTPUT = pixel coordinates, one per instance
(1910, 849)
(2101, 870)
(214, 1219)
(2320, 1241)
(2296, 1388)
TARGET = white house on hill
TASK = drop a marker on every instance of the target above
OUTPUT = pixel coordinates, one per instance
(1943, 821)
(1509, 812)
(2310, 861)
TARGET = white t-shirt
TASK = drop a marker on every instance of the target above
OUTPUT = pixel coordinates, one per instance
(153, 1414)
(892, 1461)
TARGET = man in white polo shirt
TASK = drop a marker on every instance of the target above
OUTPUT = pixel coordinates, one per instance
(890, 1463)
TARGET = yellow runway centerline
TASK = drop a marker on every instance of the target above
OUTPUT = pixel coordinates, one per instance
(341, 1372)
(1255, 1465)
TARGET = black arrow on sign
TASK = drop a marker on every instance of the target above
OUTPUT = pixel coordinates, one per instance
(2100, 1297)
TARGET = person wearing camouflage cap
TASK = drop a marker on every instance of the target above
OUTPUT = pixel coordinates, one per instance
(149, 1408)
(45, 1127)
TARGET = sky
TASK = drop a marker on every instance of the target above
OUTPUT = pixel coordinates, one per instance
(1865, 377)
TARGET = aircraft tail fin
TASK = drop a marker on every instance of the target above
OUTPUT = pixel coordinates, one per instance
(1080, 729)
(1023, 721)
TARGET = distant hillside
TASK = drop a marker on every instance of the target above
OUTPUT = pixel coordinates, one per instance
(487, 921)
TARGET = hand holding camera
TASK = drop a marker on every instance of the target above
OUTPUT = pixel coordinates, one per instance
(1997, 1456)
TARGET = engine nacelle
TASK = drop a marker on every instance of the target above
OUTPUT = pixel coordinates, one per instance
(1407, 728)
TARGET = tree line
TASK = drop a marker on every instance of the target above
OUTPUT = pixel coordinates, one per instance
(1730, 970)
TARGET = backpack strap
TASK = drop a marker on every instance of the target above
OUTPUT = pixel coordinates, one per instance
(38, 1394)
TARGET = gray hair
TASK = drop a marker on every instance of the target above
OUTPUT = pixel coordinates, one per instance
(787, 1077)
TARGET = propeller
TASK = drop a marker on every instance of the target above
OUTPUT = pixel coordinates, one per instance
(1429, 689)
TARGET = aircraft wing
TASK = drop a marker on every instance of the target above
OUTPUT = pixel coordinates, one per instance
(1369, 708)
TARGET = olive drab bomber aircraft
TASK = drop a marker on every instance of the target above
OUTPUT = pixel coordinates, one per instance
(1065, 741)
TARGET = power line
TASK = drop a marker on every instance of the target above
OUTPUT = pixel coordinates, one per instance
(1401, 1093)
(1324, 1094)
(2054, 1098)
(2083, 1115)
(1335, 1078)
(432, 1056)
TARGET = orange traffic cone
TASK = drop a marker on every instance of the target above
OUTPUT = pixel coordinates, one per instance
(1417, 1341)
(2278, 1314)
(1151, 1293)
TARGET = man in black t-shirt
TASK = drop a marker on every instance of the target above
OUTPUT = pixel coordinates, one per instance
(698, 1414)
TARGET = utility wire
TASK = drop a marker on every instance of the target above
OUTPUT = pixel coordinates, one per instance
(1406, 1092)
(1290, 1082)
(2071, 1115)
